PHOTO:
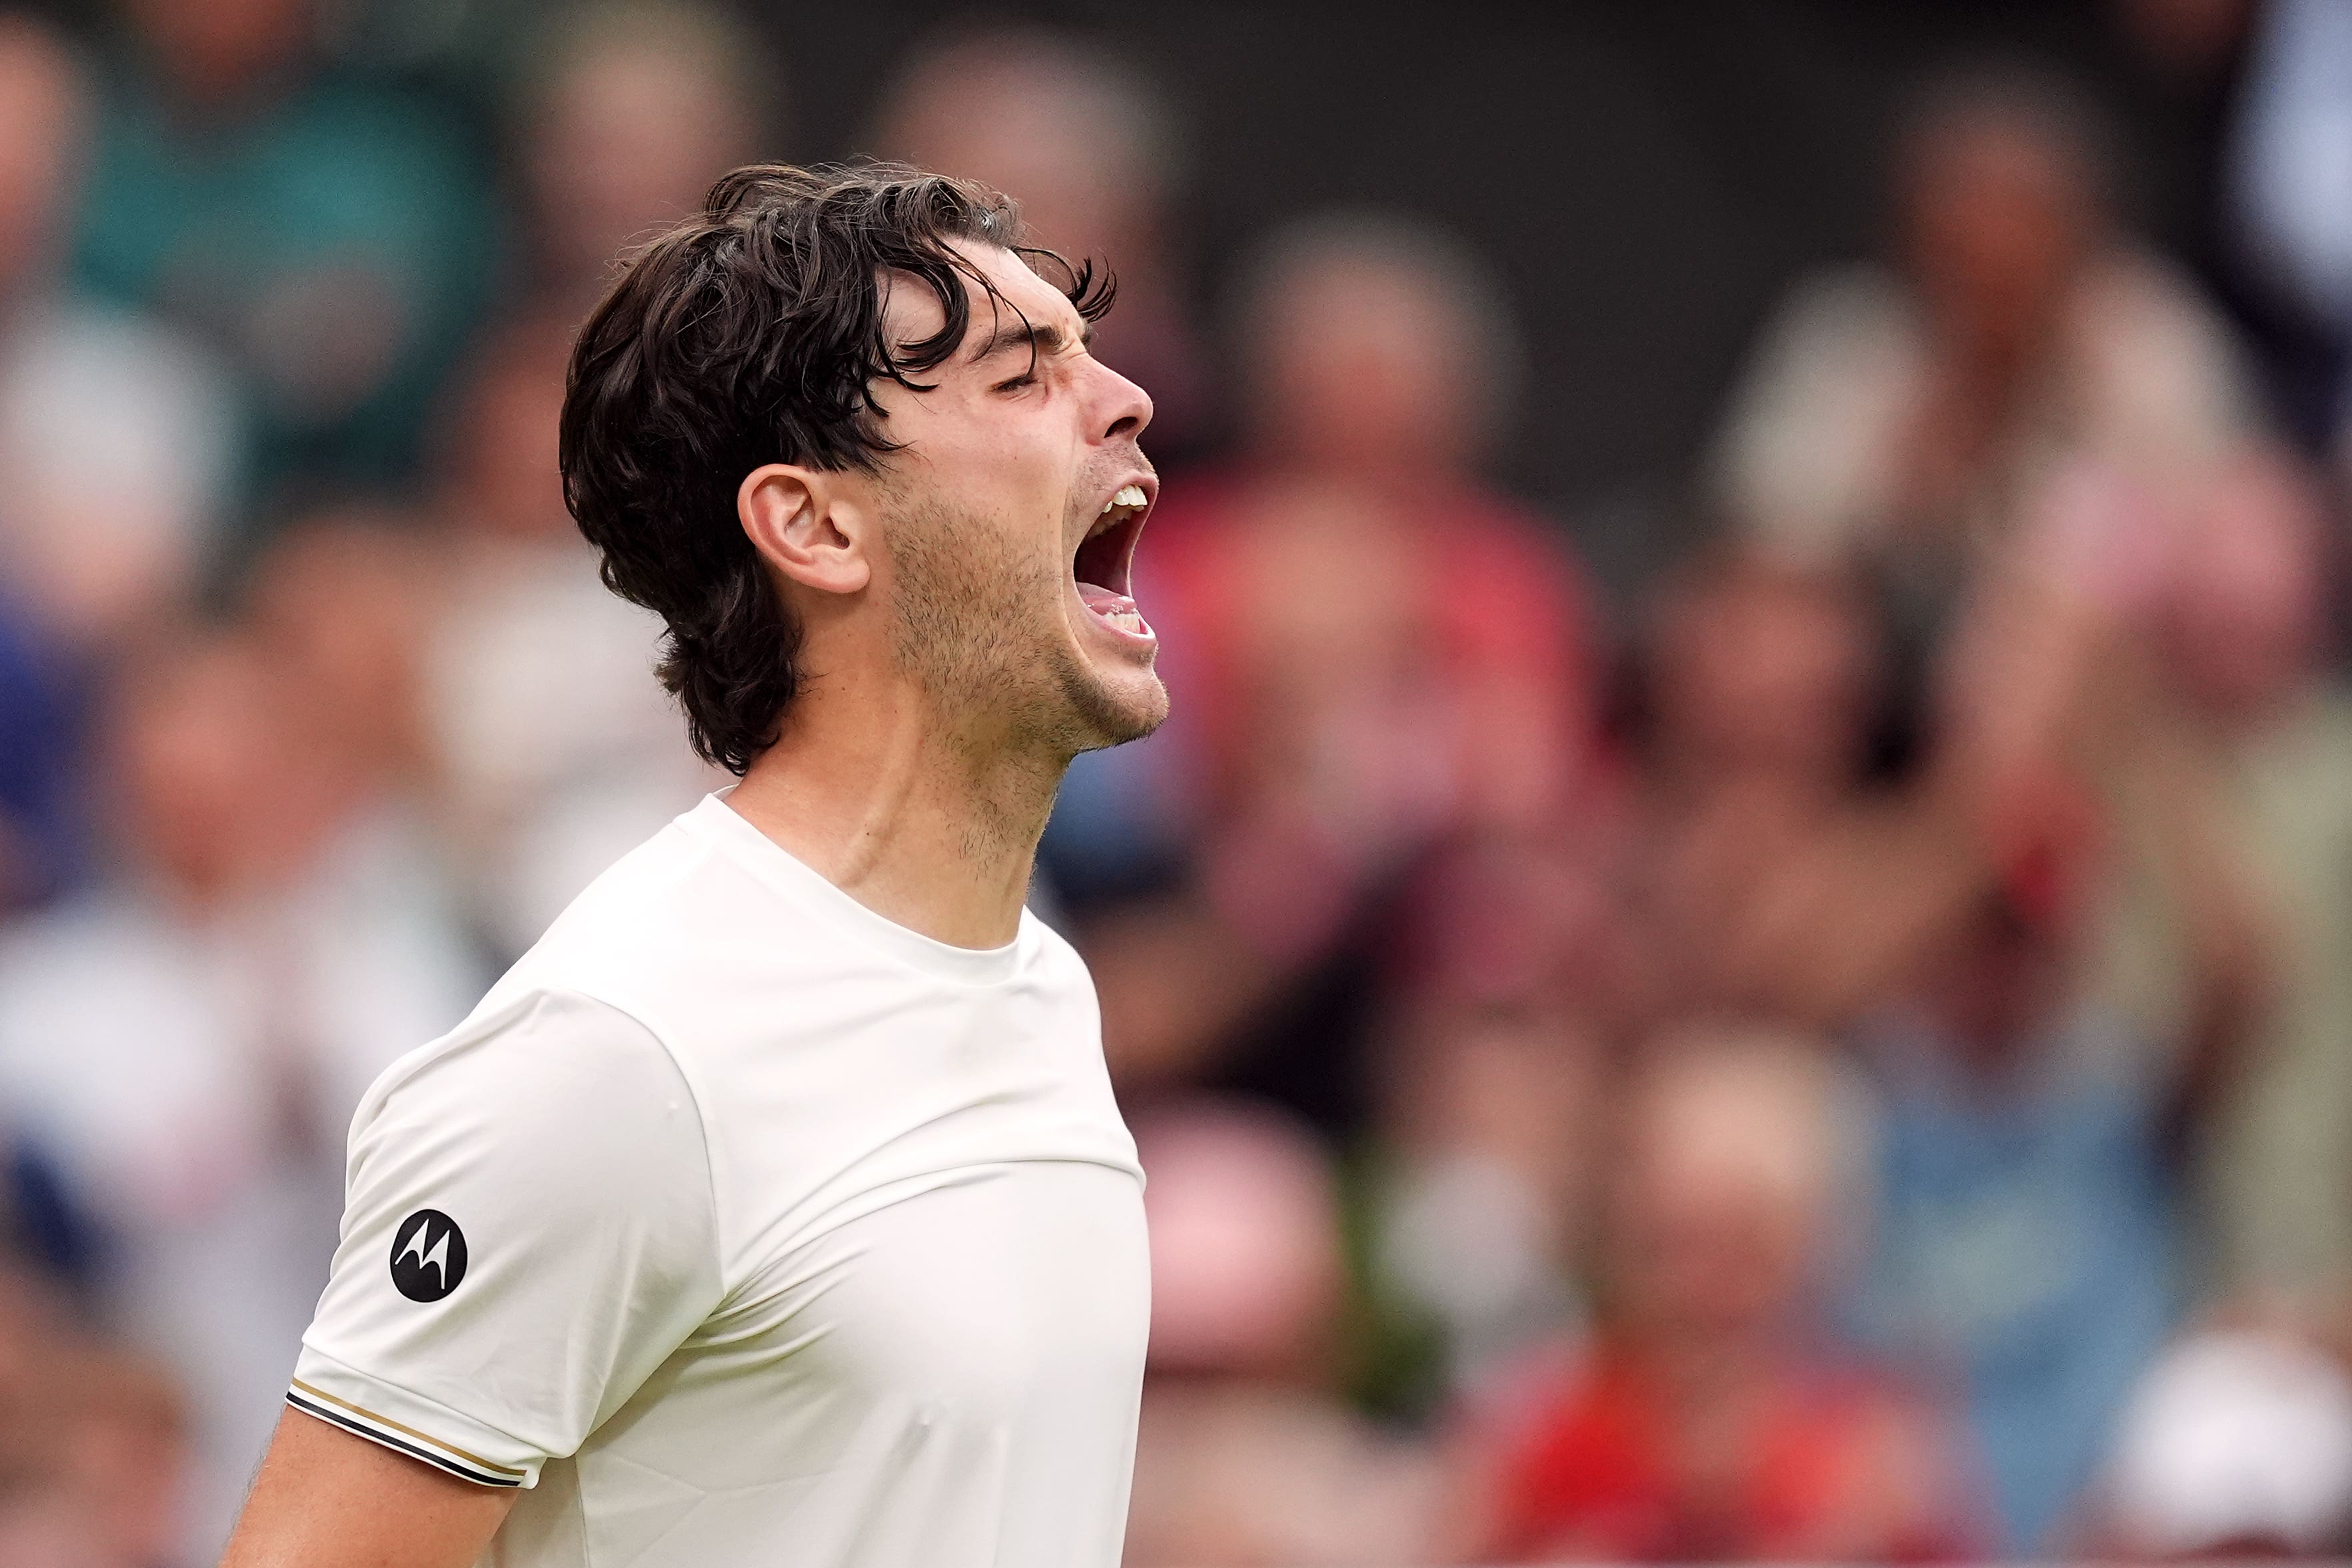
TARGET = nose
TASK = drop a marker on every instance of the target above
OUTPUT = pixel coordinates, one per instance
(1125, 407)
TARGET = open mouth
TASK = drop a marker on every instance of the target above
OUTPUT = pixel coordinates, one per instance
(1105, 558)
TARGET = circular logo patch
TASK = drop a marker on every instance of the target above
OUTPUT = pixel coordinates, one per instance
(428, 1256)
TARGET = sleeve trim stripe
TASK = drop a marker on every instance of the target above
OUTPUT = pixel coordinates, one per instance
(304, 1395)
(368, 1415)
(389, 1441)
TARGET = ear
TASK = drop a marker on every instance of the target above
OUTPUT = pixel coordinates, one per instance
(809, 525)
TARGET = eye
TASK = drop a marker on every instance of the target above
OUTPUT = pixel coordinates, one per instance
(1026, 378)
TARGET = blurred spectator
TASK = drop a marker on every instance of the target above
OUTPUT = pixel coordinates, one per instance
(2035, 1127)
(1898, 418)
(192, 1037)
(1505, 998)
(555, 751)
(628, 110)
(1759, 692)
(2238, 1444)
(1782, 871)
(1339, 687)
(1342, 708)
(93, 1461)
(2029, 1232)
(344, 596)
(117, 438)
(332, 237)
(1089, 148)
(1713, 1417)
(1246, 1459)
(2239, 628)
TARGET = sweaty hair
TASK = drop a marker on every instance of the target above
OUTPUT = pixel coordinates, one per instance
(751, 333)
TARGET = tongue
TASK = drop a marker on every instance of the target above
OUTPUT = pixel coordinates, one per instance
(1103, 602)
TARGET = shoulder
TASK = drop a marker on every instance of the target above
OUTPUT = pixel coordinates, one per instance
(1855, 303)
(2138, 290)
(553, 1111)
(646, 929)
(1840, 335)
(1052, 949)
(1057, 962)
(539, 1074)
(710, 937)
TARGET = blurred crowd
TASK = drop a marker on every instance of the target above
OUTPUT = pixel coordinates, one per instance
(1842, 1054)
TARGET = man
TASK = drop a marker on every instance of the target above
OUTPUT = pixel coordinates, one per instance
(774, 1208)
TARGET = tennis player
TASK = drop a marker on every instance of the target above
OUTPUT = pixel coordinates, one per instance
(773, 1209)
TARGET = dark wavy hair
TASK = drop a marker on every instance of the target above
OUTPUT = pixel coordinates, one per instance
(752, 333)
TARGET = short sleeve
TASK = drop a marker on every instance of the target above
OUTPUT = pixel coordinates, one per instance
(529, 1232)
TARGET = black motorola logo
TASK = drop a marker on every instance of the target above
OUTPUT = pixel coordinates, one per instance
(428, 1256)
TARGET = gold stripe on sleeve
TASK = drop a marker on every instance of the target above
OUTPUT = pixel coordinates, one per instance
(411, 1431)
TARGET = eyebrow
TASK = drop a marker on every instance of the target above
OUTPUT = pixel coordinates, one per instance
(1041, 338)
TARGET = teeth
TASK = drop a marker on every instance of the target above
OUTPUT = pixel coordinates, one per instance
(1132, 496)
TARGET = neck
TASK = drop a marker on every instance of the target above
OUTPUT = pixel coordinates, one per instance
(932, 829)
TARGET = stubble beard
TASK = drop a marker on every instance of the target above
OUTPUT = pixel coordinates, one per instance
(977, 625)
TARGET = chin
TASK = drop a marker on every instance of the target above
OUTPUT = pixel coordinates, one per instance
(1121, 708)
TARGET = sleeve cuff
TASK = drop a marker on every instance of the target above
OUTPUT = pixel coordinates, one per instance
(381, 1412)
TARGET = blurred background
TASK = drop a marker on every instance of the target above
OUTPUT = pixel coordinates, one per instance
(1740, 948)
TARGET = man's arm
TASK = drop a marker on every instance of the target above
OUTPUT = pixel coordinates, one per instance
(534, 1197)
(326, 1498)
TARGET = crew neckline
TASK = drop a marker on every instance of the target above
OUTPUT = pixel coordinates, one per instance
(737, 836)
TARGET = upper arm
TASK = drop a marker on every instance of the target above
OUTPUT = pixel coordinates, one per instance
(529, 1232)
(326, 1498)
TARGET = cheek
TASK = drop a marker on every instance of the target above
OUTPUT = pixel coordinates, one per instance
(1029, 504)
(1005, 557)
(1009, 460)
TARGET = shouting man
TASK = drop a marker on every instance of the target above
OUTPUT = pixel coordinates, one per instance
(774, 1208)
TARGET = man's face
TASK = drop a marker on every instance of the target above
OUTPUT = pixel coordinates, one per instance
(1998, 224)
(1010, 517)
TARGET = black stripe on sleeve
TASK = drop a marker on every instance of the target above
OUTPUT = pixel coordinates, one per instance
(389, 1441)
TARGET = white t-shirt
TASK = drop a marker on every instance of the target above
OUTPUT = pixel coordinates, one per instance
(743, 1225)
